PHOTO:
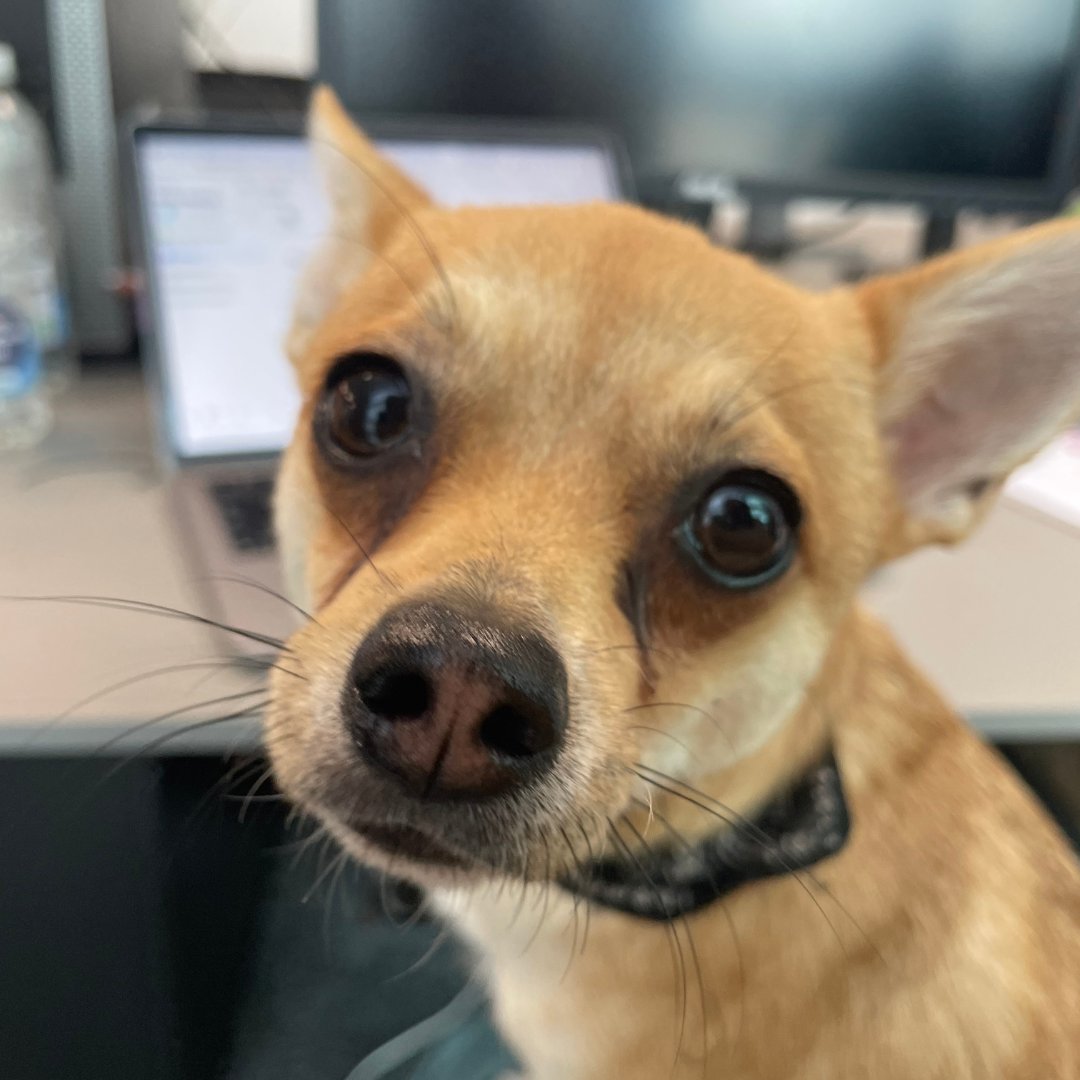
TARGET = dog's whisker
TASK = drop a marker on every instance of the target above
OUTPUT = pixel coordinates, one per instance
(592, 859)
(693, 952)
(664, 734)
(714, 720)
(213, 665)
(251, 709)
(546, 894)
(342, 863)
(579, 870)
(682, 841)
(253, 796)
(678, 958)
(365, 554)
(182, 710)
(324, 871)
(732, 819)
(251, 583)
(428, 955)
(120, 603)
(234, 777)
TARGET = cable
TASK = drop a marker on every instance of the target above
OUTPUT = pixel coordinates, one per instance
(402, 1048)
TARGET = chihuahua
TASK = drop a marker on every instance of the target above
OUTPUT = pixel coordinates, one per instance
(582, 506)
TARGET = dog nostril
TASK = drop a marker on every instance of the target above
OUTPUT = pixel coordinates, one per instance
(517, 732)
(400, 695)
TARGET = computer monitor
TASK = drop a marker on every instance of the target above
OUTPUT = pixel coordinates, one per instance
(949, 103)
(230, 212)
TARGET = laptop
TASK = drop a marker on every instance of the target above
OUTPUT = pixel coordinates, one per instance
(228, 213)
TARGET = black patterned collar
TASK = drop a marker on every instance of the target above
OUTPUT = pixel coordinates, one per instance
(805, 823)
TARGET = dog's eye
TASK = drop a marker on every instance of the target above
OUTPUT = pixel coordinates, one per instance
(742, 533)
(366, 408)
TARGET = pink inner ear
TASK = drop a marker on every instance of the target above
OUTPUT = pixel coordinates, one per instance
(994, 400)
(986, 368)
(924, 445)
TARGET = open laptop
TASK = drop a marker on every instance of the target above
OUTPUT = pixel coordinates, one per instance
(227, 215)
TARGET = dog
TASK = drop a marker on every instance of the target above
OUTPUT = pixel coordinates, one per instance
(581, 506)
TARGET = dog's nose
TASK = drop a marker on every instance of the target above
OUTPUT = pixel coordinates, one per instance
(456, 706)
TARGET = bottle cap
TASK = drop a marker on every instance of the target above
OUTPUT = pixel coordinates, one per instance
(9, 68)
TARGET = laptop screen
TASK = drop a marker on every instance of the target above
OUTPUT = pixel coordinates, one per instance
(228, 222)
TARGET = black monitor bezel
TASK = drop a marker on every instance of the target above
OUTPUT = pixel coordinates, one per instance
(938, 193)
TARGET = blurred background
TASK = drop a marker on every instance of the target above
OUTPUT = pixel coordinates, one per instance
(160, 914)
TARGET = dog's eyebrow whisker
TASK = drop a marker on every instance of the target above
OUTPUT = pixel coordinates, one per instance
(754, 373)
(737, 418)
(410, 220)
(396, 270)
(198, 28)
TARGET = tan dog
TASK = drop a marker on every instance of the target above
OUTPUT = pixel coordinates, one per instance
(582, 506)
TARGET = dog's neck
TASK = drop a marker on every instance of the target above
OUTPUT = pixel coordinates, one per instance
(673, 877)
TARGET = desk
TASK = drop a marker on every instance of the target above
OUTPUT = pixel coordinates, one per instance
(996, 623)
(85, 513)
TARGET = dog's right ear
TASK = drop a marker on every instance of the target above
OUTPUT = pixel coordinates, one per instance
(978, 365)
(369, 200)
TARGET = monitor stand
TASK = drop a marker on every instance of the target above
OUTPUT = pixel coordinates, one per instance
(939, 233)
(766, 235)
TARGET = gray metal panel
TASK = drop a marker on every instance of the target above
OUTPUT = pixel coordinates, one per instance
(146, 56)
(88, 193)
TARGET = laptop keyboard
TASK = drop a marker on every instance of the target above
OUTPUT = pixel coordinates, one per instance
(245, 507)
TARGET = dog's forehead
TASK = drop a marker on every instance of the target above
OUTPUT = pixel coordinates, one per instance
(602, 270)
(603, 297)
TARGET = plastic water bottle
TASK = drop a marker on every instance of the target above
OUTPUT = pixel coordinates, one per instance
(33, 323)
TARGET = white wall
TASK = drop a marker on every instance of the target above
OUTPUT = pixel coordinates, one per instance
(268, 37)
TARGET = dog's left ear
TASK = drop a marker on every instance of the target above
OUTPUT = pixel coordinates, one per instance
(370, 198)
(978, 358)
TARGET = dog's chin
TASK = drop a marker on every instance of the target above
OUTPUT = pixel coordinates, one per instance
(407, 842)
(406, 851)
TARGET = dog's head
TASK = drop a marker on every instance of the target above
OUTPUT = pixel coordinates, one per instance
(573, 492)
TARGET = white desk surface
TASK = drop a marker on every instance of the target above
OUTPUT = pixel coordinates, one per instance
(996, 623)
